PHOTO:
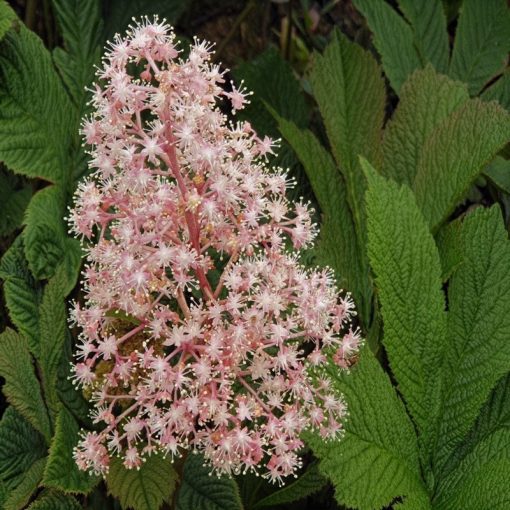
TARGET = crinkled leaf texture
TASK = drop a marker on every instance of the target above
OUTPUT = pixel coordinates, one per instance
(446, 168)
(22, 293)
(20, 447)
(145, 488)
(48, 249)
(201, 490)
(34, 109)
(52, 336)
(20, 496)
(377, 460)
(406, 263)
(428, 21)
(426, 99)
(482, 42)
(394, 40)
(478, 351)
(80, 23)
(21, 385)
(61, 470)
(54, 500)
(353, 114)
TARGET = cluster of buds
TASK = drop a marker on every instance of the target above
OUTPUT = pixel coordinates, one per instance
(200, 329)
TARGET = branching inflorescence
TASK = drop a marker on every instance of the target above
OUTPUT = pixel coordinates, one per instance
(200, 329)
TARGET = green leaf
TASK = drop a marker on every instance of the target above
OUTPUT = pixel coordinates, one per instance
(478, 353)
(14, 198)
(349, 90)
(449, 245)
(310, 482)
(338, 245)
(80, 24)
(482, 42)
(44, 235)
(481, 479)
(20, 496)
(494, 416)
(377, 459)
(426, 99)
(69, 396)
(20, 447)
(406, 263)
(145, 488)
(54, 500)
(499, 91)
(53, 327)
(34, 109)
(22, 293)
(446, 169)
(21, 386)
(394, 40)
(499, 173)
(61, 470)
(200, 490)
(428, 20)
(7, 18)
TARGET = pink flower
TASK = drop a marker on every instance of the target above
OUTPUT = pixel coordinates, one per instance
(200, 328)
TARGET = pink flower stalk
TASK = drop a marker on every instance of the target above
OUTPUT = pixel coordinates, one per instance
(200, 328)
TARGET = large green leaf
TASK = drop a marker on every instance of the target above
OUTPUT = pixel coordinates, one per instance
(499, 91)
(7, 18)
(22, 293)
(406, 263)
(21, 385)
(481, 479)
(449, 245)
(338, 246)
(446, 169)
(349, 90)
(482, 42)
(61, 470)
(44, 235)
(201, 491)
(499, 173)
(426, 99)
(54, 500)
(494, 416)
(68, 395)
(377, 459)
(428, 20)
(478, 352)
(53, 326)
(145, 488)
(34, 109)
(394, 40)
(14, 198)
(20, 447)
(80, 23)
(310, 482)
(20, 496)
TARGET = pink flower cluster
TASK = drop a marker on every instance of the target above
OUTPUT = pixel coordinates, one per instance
(200, 328)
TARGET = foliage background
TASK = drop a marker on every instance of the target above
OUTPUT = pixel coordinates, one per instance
(406, 84)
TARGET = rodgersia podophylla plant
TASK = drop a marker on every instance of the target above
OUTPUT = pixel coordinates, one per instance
(200, 329)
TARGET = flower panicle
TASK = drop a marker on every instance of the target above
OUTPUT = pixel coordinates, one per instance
(200, 330)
